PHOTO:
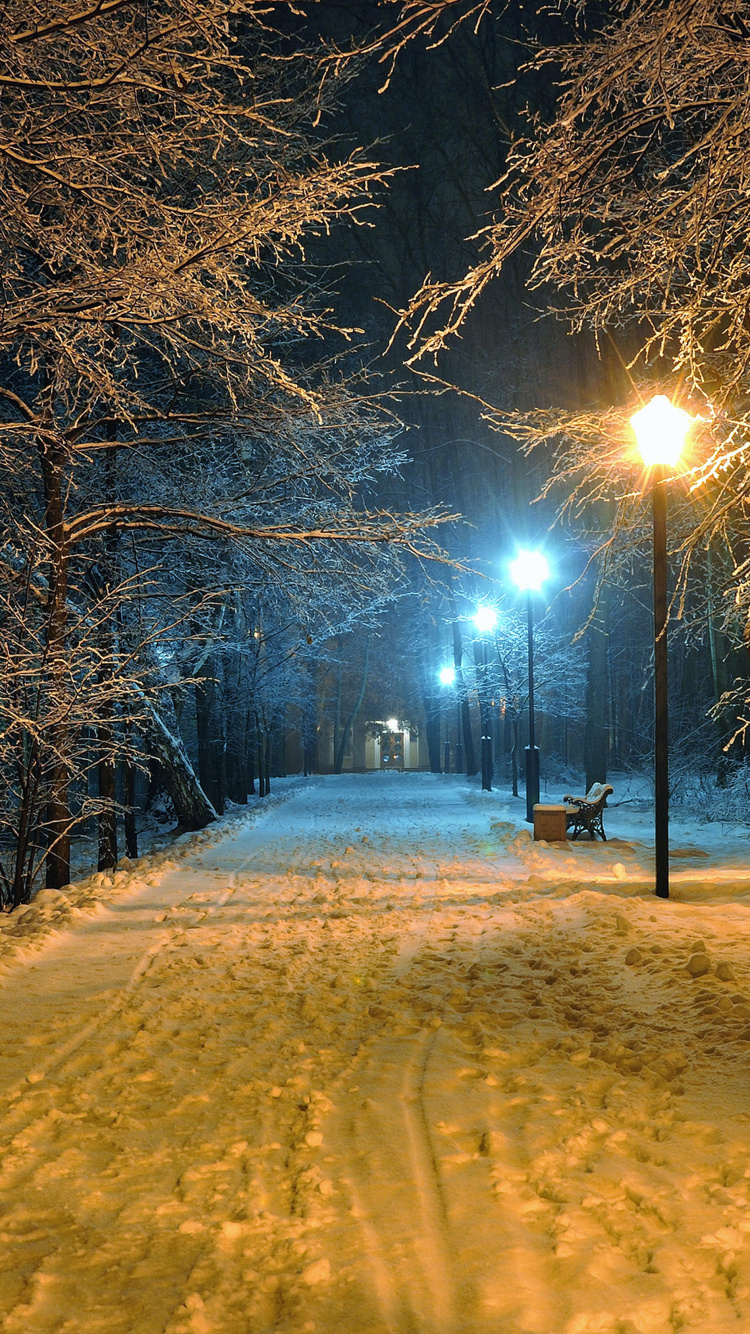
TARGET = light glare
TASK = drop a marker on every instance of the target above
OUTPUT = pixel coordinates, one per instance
(660, 429)
(529, 571)
(392, 725)
(447, 676)
(485, 619)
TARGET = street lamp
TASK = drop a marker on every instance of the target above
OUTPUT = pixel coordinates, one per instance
(660, 430)
(485, 619)
(528, 572)
(447, 677)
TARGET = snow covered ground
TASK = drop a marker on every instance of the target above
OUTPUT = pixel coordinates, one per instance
(372, 1062)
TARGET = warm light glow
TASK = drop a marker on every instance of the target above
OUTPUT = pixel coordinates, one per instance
(660, 429)
(529, 570)
(392, 725)
(447, 676)
(485, 619)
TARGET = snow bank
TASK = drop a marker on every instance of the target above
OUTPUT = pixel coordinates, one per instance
(51, 911)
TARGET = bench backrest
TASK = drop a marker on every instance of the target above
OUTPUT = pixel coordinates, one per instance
(598, 793)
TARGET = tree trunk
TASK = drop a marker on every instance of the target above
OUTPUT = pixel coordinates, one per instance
(237, 784)
(192, 807)
(431, 698)
(432, 711)
(515, 722)
(310, 760)
(131, 832)
(267, 762)
(210, 726)
(107, 646)
(721, 653)
(596, 735)
(17, 888)
(251, 750)
(463, 695)
(107, 819)
(507, 729)
(260, 751)
(339, 758)
(56, 777)
(237, 738)
(277, 743)
(337, 714)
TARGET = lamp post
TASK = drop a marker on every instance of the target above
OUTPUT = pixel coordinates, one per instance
(485, 619)
(528, 572)
(447, 677)
(660, 429)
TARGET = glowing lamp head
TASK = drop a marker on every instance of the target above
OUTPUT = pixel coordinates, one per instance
(392, 724)
(529, 571)
(660, 429)
(447, 676)
(485, 619)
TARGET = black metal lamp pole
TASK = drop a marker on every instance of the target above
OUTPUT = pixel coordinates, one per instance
(532, 750)
(486, 754)
(660, 430)
(484, 714)
(661, 701)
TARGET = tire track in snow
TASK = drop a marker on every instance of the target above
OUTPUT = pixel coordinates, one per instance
(410, 1268)
(444, 1252)
(392, 1201)
(432, 1242)
(434, 1237)
(397, 1194)
(409, 1274)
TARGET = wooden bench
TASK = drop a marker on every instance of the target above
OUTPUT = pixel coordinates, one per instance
(586, 814)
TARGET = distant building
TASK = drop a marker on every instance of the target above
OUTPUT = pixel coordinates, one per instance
(376, 745)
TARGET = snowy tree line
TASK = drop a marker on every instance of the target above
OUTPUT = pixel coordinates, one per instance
(187, 466)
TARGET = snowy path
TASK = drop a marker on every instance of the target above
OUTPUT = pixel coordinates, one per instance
(377, 1065)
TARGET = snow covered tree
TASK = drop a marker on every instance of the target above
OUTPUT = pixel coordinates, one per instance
(161, 403)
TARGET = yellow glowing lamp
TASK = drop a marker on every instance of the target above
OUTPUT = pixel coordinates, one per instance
(660, 430)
